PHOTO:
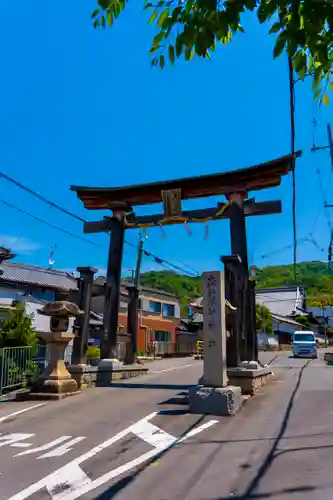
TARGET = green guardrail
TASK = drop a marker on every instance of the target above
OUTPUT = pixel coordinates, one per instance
(18, 365)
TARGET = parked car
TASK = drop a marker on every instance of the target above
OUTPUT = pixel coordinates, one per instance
(304, 344)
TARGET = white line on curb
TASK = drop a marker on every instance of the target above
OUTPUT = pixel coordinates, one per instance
(6, 417)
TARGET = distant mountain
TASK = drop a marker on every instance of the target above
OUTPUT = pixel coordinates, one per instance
(315, 276)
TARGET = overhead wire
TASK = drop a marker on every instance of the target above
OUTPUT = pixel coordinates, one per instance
(322, 190)
(11, 205)
(50, 203)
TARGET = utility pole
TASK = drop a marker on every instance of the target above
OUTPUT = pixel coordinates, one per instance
(328, 205)
(133, 305)
(329, 146)
(292, 138)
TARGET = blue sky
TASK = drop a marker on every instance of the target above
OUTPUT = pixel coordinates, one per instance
(84, 107)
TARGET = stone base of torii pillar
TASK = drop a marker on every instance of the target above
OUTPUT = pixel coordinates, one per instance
(213, 395)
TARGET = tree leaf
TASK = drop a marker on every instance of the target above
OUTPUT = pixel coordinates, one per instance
(110, 18)
(153, 49)
(95, 13)
(279, 46)
(266, 9)
(315, 84)
(317, 94)
(331, 85)
(163, 17)
(96, 23)
(326, 99)
(275, 28)
(179, 45)
(162, 61)
(158, 38)
(153, 16)
(104, 3)
(171, 54)
(300, 61)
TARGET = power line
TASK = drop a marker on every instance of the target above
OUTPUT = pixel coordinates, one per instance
(18, 184)
(49, 224)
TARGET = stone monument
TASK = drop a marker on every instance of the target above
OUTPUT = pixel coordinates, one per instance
(213, 395)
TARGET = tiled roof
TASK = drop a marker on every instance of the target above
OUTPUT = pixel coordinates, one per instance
(34, 275)
(100, 280)
(97, 320)
(284, 319)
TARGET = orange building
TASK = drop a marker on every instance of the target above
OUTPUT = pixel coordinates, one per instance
(159, 316)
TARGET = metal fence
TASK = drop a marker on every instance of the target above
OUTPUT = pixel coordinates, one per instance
(171, 348)
(19, 365)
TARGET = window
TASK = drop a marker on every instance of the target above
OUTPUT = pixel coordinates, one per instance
(154, 307)
(304, 337)
(48, 295)
(162, 336)
(168, 310)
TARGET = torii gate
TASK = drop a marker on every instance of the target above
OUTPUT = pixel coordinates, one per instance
(234, 185)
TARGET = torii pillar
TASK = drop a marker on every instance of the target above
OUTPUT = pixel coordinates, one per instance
(239, 247)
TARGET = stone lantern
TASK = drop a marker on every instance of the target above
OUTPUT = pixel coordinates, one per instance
(56, 382)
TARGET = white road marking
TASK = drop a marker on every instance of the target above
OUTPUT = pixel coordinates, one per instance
(70, 481)
(78, 478)
(61, 450)
(44, 447)
(21, 445)
(153, 435)
(172, 369)
(6, 417)
(12, 438)
(196, 430)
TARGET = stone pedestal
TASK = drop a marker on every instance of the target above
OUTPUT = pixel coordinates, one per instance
(251, 378)
(106, 368)
(81, 374)
(215, 400)
(328, 357)
(213, 395)
(56, 381)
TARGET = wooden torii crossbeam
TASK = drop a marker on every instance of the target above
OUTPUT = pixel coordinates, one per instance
(234, 185)
(220, 212)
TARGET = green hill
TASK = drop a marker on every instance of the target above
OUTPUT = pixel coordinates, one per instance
(315, 276)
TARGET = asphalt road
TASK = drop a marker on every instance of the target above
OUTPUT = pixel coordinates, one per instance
(136, 440)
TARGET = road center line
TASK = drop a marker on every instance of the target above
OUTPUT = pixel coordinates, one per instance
(6, 417)
(171, 369)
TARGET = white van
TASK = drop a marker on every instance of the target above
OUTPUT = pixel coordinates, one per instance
(304, 344)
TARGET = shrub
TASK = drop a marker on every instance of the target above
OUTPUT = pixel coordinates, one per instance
(93, 352)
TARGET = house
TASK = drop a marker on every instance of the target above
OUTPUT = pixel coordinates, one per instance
(34, 285)
(159, 314)
(35, 281)
(284, 301)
